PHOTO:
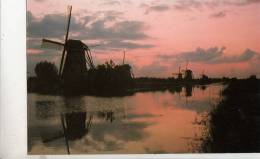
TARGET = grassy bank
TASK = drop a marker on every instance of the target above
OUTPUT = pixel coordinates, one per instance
(234, 124)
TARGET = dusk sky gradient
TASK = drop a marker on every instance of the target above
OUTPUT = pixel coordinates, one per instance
(219, 37)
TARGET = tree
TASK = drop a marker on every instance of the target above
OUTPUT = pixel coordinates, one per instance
(47, 80)
(46, 71)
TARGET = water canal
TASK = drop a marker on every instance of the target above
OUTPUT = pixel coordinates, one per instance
(146, 122)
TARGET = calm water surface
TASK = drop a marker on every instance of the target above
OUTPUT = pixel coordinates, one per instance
(146, 122)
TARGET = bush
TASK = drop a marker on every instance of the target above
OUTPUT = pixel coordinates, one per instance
(46, 71)
(47, 80)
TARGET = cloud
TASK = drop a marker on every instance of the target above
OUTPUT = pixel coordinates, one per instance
(111, 15)
(153, 69)
(105, 26)
(111, 2)
(40, 0)
(187, 5)
(240, 2)
(107, 16)
(156, 8)
(247, 55)
(51, 26)
(213, 55)
(199, 4)
(123, 30)
(144, 5)
(131, 131)
(198, 55)
(220, 14)
(122, 44)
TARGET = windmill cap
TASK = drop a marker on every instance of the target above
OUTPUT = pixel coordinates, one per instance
(74, 45)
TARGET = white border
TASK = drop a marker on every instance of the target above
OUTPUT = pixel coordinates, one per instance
(13, 109)
(13, 79)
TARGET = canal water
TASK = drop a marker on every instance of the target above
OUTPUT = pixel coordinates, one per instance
(146, 122)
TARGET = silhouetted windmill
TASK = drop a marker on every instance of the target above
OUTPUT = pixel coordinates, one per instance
(179, 74)
(188, 74)
(75, 55)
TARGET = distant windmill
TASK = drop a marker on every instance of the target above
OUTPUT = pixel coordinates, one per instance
(76, 55)
(179, 74)
(188, 74)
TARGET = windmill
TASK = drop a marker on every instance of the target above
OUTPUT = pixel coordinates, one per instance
(76, 56)
(179, 74)
(188, 74)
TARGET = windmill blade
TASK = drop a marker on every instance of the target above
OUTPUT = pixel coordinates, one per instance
(94, 45)
(66, 39)
(92, 63)
(68, 25)
(89, 59)
(89, 56)
(49, 44)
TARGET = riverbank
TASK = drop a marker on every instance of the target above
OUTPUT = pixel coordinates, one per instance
(234, 125)
(142, 84)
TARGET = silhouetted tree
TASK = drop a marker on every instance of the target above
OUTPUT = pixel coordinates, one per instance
(47, 77)
(252, 77)
(232, 125)
(109, 78)
(46, 71)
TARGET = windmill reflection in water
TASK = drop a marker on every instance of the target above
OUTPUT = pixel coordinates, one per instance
(76, 125)
(76, 122)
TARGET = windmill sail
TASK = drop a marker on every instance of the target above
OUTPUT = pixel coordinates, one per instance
(66, 39)
(49, 44)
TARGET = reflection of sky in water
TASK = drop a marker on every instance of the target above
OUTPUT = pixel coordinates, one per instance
(147, 122)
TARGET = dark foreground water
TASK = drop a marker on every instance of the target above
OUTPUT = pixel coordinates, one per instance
(147, 122)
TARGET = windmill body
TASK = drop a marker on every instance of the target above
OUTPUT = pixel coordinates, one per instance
(188, 74)
(75, 62)
(74, 68)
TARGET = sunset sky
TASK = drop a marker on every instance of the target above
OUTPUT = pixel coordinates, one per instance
(219, 37)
